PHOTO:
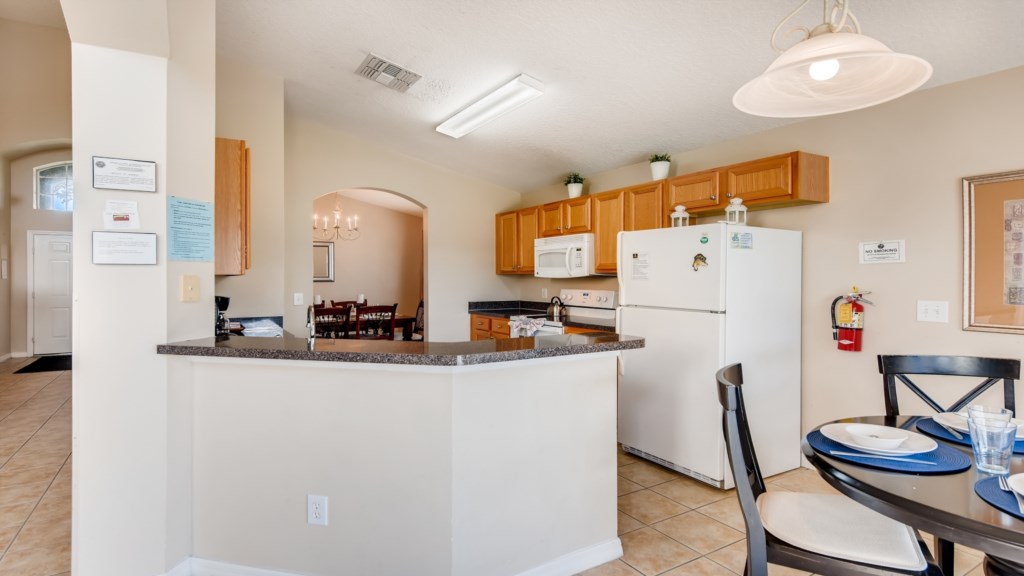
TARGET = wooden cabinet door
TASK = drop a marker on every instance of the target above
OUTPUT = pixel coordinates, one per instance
(231, 208)
(768, 179)
(576, 215)
(698, 191)
(551, 219)
(505, 245)
(527, 228)
(643, 207)
(609, 212)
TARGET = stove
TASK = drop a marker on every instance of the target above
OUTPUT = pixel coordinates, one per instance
(584, 306)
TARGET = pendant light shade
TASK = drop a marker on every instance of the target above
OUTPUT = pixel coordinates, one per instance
(833, 70)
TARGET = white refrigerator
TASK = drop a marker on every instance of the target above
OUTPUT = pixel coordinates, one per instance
(704, 297)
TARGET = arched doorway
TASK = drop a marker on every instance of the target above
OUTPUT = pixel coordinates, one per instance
(382, 259)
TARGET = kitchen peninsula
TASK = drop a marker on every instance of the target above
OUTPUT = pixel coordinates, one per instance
(443, 458)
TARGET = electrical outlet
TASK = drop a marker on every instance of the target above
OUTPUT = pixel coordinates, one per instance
(932, 311)
(190, 288)
(316, 510)
(543, 293)
(297, 299)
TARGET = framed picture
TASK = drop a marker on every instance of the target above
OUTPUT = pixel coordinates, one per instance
(994, 252)
(323, 261)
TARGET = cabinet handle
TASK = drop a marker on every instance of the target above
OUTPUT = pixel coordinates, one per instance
(714, 197)
(729, 195)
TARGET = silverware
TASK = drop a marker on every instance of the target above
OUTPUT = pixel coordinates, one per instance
(1005, 486)
(955, 434)
(896, 458)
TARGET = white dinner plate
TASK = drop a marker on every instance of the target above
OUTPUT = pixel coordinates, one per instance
(914, 444)
(958, 422)
(1016, 483)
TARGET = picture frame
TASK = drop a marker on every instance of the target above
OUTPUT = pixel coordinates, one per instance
(994, 252)
(123, 174)
(323, 261)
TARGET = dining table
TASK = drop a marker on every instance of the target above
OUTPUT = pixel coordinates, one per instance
(941, 500)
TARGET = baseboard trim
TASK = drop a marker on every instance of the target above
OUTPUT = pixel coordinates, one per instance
(20, 355)
(5, 357)
(571, 563)
(201, 567)
(579, 560)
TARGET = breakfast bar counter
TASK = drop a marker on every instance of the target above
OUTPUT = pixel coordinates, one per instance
(494, 457)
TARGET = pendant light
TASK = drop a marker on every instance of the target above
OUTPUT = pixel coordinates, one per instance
(833, 69)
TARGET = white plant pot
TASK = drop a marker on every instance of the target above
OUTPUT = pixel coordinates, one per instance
(659, 170)
(575, 189)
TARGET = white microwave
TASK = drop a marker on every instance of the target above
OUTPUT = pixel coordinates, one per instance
(563, 256)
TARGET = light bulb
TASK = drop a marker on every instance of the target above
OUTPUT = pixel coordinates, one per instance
(824, 69)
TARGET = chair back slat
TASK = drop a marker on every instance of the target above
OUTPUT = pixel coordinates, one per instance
(993, 370)
(375, 322)
(332, 322)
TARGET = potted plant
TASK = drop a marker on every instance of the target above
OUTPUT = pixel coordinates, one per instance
(574, 184)
(659, 166)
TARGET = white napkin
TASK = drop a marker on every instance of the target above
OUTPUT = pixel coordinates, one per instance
(524, 326)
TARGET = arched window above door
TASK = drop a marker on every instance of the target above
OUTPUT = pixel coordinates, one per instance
(54, 187)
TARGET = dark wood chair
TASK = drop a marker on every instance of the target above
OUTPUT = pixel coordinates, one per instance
(418, 326)
(375, 322)
(333, 322)
(966, 369)
(345, 303)
(820, 533)
(991, 370)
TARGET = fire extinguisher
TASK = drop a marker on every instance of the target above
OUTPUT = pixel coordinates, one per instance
(848, 324)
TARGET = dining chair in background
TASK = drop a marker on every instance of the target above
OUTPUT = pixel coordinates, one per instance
(418, 327)
(375, 322)
(333, 322)
(964, 372)
(991, 370)
(819, 533)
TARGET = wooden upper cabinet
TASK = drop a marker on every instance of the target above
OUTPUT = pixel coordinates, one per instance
(232, 210)
(514, 235)
(697, 191)
(792, 179)
(609, 215)
(643, 206)
(570, 216)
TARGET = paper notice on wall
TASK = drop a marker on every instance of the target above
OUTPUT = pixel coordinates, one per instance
(640, 266)
(121, 215)
(1013, 252)
(883, 252)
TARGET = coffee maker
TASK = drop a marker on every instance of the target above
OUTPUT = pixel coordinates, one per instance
(221, 319)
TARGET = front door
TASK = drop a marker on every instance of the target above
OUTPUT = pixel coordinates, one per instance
(51, 294)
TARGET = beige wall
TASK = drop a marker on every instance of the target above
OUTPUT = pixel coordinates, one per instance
(458, 220)
(896, 173)
(35, 115)
(385, 263)
(24, 218)
(250, 107)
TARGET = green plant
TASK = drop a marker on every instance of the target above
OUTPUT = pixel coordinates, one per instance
(660, 157)
(574, 178)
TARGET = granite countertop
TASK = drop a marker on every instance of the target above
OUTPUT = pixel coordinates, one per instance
(399, 352)
(509, 308)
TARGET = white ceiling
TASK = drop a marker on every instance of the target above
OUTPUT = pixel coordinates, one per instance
(623, 79)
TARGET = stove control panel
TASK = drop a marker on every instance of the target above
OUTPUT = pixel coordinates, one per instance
(589, 298)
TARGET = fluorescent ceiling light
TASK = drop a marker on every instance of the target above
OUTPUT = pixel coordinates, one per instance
(505, 99)
(835, 69)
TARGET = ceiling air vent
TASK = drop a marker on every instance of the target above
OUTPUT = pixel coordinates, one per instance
(383, 72)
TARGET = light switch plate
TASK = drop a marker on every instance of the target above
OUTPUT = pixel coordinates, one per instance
(932, 311)
(190, 288)
(297, 299)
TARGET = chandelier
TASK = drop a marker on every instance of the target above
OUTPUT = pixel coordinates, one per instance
(346, 228)
(833, 69)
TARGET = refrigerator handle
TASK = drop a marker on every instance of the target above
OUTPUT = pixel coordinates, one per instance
(619, 272)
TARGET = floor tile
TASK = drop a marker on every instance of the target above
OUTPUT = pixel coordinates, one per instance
(700, 567)
(23, 493)
(697, 531)
(627, 486)
(649, 507)
(42, 561)
(692, 493)
(27, 475)
(626, 458)
(613, 568)
(802, 480)
(727, 511)
(646, 474)
(651, 552)
(627, 524)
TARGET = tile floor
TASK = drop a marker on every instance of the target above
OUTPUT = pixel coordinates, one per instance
(35, 471)
(669, 524)
(672, 525)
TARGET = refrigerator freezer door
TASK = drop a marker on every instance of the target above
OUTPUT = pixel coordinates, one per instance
(681, 268)
(668, 401)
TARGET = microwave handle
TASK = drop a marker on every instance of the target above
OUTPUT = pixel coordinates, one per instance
(568, 261)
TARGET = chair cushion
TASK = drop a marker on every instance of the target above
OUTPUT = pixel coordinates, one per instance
(834, 525)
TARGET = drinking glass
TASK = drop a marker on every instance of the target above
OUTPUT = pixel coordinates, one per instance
(992, 441)
(978, 411)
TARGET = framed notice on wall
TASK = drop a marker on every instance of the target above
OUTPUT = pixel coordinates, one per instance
(994, 252)
(123, 247)
(123, 174)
